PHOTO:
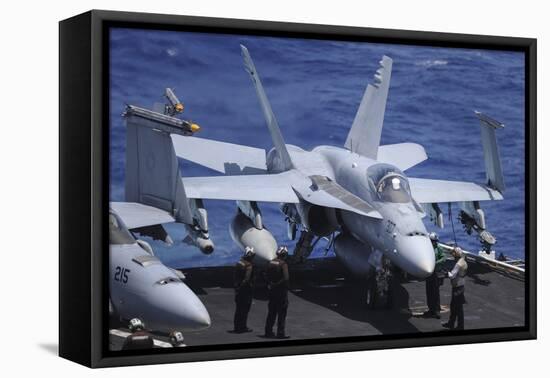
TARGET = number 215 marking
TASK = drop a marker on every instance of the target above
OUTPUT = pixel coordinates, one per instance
(121, 274)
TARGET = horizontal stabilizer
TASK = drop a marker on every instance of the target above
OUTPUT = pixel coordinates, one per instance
(402, 155)
(136, 215)
(152, 175)
(441, 191)
(227, 158)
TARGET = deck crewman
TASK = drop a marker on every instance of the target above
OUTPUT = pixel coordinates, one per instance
(139, 339)
(277, 284)
(435, 280)
(457, 281)
(244, 286)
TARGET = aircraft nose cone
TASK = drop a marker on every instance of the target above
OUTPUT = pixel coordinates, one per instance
(416, 255)
(192, 312)
(180, 309)
(198, 317)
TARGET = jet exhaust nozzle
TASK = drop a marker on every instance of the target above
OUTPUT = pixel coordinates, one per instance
(199, 240)
(206, 246)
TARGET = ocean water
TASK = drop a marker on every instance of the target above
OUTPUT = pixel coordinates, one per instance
(315, 88)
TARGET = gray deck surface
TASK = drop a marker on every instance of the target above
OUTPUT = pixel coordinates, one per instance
(323, 303)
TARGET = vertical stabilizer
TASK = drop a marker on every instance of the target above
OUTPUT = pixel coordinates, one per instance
(364, 136)
(270, 119)
(493, 167)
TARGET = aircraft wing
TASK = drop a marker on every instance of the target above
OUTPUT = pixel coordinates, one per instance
(325, 192)
(440, 191)
(402, 155)
(261, 188)
(281, 187)
(136, 215)
(228, 158)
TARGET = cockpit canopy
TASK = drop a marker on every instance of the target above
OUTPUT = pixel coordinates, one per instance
(118, 233)
(394, 188)
(389, 183)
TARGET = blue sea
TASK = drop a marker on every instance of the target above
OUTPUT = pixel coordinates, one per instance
(315, 88)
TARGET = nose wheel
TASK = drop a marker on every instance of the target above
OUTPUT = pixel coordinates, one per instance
(379, 292)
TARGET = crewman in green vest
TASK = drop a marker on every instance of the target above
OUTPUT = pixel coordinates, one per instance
(435, 280)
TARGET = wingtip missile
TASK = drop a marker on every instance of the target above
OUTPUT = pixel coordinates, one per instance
(195, 127)
(162, 122)
(175, 105)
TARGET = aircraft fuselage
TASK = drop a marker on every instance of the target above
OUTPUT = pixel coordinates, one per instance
(140, 286)
(400, 234)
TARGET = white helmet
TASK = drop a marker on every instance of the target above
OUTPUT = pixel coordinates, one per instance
(176, 338)
(282, 251)
(433, 236)
(458, 251)
(136, 325)
(396, 183)
(249, 252)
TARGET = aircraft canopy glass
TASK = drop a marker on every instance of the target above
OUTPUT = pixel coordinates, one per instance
(118, 233)
(393, 188)
(388, 183)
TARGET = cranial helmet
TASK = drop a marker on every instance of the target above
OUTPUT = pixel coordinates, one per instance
(282, 251)
(136, 325)
(249, 252)
(396, 183)
(176, 338)
(458, 251)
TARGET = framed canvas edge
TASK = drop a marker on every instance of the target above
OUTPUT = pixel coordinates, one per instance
(99, 185)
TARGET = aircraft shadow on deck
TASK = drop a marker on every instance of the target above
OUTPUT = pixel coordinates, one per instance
(324, 283)
(348, 300)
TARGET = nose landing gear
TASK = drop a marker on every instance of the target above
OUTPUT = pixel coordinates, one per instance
(379, 286)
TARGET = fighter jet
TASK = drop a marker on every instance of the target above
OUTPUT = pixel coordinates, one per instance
(140, 285)
(358, 194)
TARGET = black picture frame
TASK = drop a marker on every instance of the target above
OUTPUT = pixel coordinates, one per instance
(83, 196)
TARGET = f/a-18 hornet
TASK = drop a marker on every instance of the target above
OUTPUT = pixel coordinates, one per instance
(140, 285)
(358, 194)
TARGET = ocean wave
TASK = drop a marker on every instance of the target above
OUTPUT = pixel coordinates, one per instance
(172, 52)
(432, 63)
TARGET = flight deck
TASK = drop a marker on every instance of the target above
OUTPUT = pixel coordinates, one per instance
(325, 303)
